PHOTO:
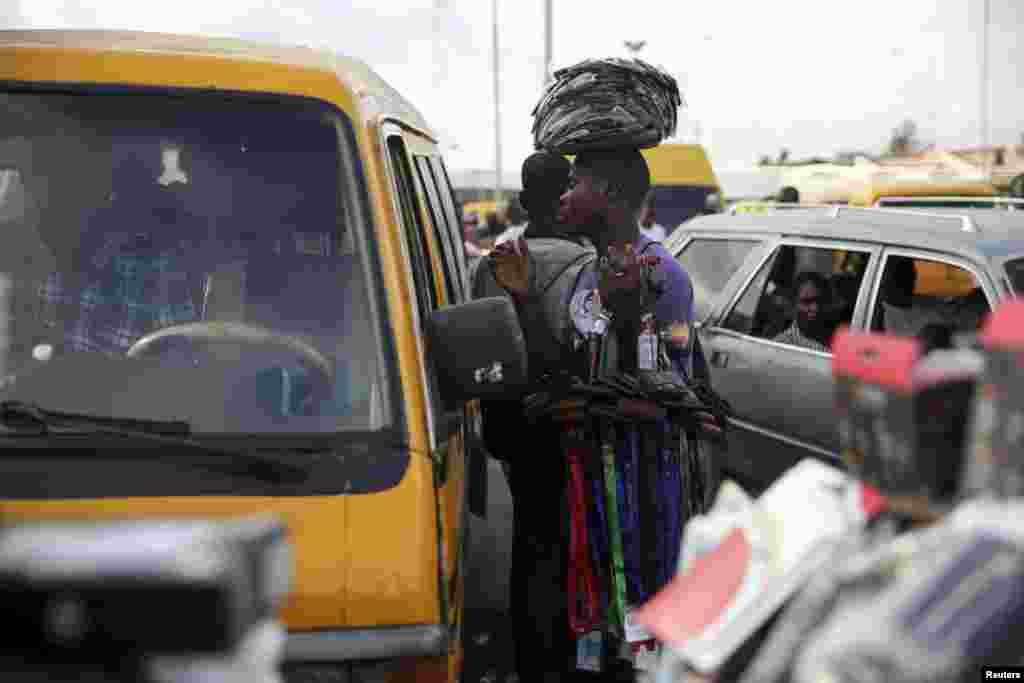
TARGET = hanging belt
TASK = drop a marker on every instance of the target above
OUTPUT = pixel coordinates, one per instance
(617, 604)
(584, 610)
(628, 490)
(672, 495)
(651, 534)
(598, 519)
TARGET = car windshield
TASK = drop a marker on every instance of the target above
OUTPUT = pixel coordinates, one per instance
(186, 257)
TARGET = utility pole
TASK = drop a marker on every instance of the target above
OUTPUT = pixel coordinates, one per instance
(547, 42)
(497, 104)
(985, 85)
(438, 69)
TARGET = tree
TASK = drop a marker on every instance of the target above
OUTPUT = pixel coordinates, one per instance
(765, 160)
(783, 156)
(904, 139)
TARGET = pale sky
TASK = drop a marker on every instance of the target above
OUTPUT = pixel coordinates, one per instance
(816, 77)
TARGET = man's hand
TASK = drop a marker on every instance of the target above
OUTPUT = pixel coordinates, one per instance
(510, 263)
(621, 282)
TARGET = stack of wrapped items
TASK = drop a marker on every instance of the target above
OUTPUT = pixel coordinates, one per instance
(903, 418)
(994, 466)
(602, 104)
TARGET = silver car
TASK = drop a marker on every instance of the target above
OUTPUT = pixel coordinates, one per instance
(743, 267)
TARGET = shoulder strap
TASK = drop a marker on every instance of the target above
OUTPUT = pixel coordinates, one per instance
(648, 245)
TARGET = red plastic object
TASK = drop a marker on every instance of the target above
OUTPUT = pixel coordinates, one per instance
(695, 600)
(1005, 326)
(879, 359)
(872, 502)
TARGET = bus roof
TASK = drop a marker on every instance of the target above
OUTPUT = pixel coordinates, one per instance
(680, 164)
(374, 96)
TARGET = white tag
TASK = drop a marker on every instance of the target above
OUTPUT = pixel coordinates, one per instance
(647, 352)
(589, 651)
(635, 633)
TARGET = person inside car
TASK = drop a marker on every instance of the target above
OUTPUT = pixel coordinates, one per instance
(141, 265)
(775, 309)
(811, 328)
(897, 296)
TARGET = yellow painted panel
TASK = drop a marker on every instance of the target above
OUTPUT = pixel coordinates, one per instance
(169, 70)
(677, 164)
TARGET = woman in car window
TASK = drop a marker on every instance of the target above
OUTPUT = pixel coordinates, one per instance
(811, 327)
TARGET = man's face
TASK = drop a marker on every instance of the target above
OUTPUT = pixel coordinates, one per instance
(584, 201)
(808, 306)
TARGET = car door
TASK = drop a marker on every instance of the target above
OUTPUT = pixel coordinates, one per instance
(437, 281)
(781, 392)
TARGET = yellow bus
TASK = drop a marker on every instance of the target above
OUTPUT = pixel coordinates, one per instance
(221, 265)
(683, 182)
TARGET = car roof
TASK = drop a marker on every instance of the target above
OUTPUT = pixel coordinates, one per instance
(353, 74)
(996, 233)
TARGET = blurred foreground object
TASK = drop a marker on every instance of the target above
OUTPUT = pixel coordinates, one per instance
(160, 601)
(933, 605)
(903, 416)
(995, 466)
(744, 559)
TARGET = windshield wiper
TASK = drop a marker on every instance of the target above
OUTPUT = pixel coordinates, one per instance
(18, 416)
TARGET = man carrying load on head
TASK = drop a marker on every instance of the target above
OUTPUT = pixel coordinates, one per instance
(630, 280)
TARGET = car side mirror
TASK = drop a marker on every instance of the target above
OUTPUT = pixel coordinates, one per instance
(478, 349)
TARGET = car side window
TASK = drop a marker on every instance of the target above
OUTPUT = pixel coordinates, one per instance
(441, 231)
(451, 209)
(919, 295)
(419, 252)
(710, 264)
(415, 237)
(801, 296)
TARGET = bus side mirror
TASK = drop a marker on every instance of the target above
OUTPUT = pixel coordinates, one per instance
(478, 349)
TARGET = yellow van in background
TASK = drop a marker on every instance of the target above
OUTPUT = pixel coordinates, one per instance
(934, 278)
(871, 192)
(683, 181)
(478, 211)
(234, 283)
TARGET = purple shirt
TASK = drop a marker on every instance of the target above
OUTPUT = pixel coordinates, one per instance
(673, 310)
